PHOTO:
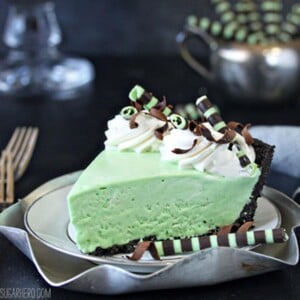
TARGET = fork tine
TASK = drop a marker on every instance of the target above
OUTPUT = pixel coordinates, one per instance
(13, 139)
(16, 140)
(9, 178)
(22, 144)
(27, 154)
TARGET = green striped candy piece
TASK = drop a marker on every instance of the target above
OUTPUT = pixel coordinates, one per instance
(245, 6)
(256, 26)
(230, 29)
(136, 93)
(167, 111)
(290, 28)
(210, 112)
(269, 236)
(272, 29)
(284, 37)
(153, 101)
(296, 8)
(192, 20)
(222, 7)
(204, 23)
(220, 126)
(253, 17)
(227, 17)
(242, 18)
(271, 6)
(293, 18)
(216, 28)
(241, 35)
(195, 244)
(272, 18)
(256, 38)
(159, 248)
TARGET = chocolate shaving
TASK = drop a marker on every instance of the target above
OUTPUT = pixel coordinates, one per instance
(142, 248)
(227, 137)
(246, 134)
(225, 229)
(160, 131)
(245, 227)
(243, 130)
(137, 105)
(183, 151)
(158, 114)
(194, 127)
(207, 134)
(162, 104)
(132, 123)
(158, 134)
(238, 127)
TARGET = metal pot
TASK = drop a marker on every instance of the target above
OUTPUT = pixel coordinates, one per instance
(249, 74)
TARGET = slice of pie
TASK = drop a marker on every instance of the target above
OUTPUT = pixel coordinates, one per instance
(163, 177)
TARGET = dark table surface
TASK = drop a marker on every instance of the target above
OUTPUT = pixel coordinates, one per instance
(72, 134)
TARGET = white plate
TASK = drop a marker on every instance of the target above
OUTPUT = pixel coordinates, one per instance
(47, 220)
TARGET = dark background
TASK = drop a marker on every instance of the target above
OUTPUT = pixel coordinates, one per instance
(123, 27)
(128, 41)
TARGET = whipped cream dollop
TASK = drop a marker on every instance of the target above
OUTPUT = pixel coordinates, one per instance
(193, 151)
(141, 138)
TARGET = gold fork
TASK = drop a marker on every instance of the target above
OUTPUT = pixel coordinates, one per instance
(21, 146)
(6, 180)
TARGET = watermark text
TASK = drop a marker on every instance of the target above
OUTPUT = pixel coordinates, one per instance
(25, 293)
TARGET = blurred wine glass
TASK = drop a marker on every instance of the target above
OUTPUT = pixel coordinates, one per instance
(33, 64)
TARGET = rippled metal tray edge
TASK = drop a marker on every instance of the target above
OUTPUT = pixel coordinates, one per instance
(220, 264)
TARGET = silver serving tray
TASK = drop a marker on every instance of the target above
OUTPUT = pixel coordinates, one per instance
(220, 264)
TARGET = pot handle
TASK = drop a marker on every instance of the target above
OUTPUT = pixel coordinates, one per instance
(182, 39)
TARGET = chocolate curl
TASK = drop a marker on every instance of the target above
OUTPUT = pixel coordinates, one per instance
(142, 248)
(206, 133)
(194, 127)
(158, 114)
(225, 229)
(238, 127)
(163, 107)
(246, 134)
(200, 129)
(159, 133)
(227, 137)
(132, 123)
(211, 113)
(183, 151)
(243, 130)
(245, 227)
(137, 105)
